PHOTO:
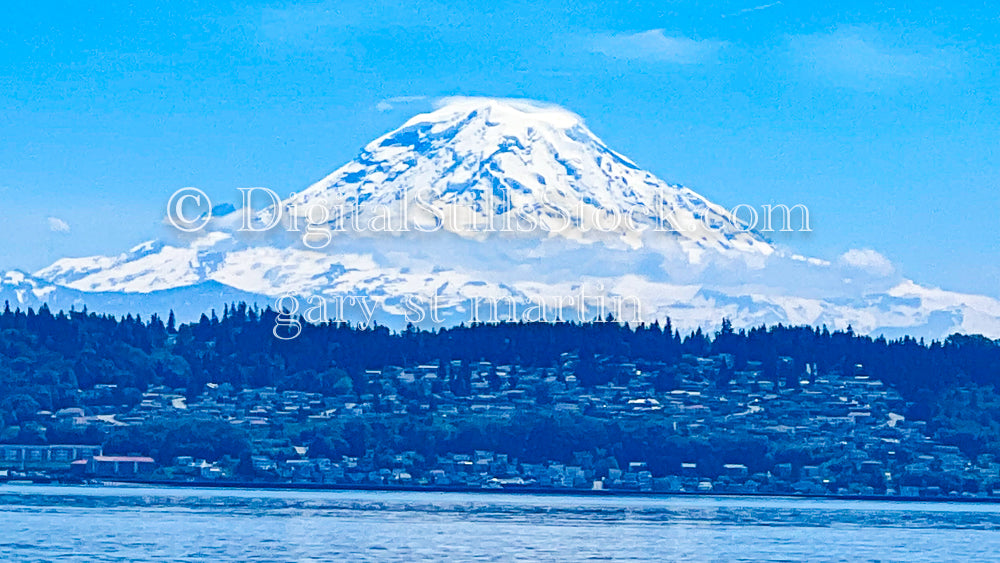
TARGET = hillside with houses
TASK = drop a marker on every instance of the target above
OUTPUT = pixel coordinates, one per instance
(597, 406)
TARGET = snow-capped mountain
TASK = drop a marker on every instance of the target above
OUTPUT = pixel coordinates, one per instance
(514, 202)
(477, 167)
(19, 290)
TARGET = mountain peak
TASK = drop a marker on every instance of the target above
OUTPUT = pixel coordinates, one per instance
(501, 111)
(489, 128)
(474, 163)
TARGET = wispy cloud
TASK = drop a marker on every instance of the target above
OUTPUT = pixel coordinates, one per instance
(864, 57)
(57, 225)
(655, 45)
(389, 103)
(751, 9)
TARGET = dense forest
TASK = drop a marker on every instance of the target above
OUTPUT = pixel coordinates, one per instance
(47, 356)
(49, 361)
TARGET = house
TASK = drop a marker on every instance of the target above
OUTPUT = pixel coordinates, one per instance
(736, 471)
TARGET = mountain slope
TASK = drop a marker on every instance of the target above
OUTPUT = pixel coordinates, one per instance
(480, 166)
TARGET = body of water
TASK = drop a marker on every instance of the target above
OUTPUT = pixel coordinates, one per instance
(44, 523)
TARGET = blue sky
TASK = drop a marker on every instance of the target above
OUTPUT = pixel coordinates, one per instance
(880, 117)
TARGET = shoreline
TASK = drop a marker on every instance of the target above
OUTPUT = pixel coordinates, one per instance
(509, 490)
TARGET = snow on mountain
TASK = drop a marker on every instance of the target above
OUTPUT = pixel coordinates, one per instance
(517, 202)
(482, 166)
(19, 290)
(151, 266)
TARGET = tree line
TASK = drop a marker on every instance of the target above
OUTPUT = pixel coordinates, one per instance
(51, 356)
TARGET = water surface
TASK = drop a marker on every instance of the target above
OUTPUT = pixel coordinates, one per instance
(44, 523)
